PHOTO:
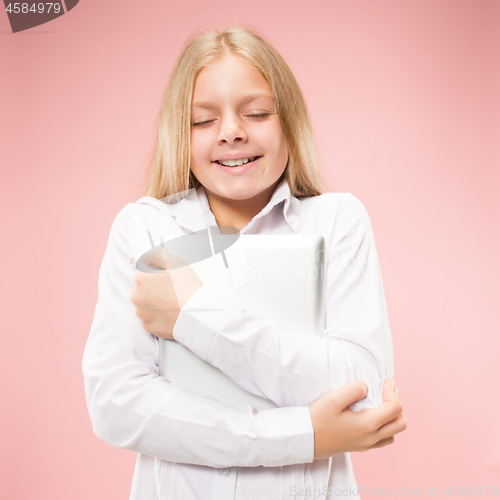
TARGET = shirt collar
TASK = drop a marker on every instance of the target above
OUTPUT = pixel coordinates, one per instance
(193, 210)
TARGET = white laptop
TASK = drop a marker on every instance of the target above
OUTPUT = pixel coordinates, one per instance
(278, 276)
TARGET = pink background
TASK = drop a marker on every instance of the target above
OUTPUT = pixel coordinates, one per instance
(404, 98)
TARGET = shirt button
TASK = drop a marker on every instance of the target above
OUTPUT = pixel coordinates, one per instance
(224, 472)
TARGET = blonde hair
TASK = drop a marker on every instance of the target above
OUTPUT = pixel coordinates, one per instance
(168, 169)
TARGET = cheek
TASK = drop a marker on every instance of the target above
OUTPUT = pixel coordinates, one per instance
(276, 141)
(200, 150)
(280, 149)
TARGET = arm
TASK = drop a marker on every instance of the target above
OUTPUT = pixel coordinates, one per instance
(294, 370)
(132, 407)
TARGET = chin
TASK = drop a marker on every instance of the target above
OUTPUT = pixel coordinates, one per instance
(238, 194)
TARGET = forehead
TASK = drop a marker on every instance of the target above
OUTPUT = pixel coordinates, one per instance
(230, 80)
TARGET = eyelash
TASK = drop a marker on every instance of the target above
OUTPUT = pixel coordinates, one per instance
(261, 115)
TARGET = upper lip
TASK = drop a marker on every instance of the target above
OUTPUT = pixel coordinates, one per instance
(235, 156)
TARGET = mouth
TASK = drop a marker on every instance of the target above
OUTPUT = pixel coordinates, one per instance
(238, 169)
(235, 166)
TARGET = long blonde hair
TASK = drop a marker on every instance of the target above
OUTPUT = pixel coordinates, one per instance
(168, 169)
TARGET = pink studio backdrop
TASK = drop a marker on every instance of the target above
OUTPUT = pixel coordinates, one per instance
(404, 98)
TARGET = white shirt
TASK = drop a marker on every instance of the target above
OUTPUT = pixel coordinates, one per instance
(193, 447)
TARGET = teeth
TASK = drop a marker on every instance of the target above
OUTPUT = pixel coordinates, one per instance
(234, 163)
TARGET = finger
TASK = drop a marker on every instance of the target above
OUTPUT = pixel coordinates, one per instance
(392, 428)
(389, 392)
(153, 258)
(162, 259)
(350, 393)
(139, 277)
(383, 442)
(386, 412)
(389, 385)
(164, 256)
(391, 407)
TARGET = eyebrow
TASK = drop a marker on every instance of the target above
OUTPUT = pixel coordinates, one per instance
(245, 99)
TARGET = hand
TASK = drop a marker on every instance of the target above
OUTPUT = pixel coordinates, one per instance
(159, 297)
(340, 430)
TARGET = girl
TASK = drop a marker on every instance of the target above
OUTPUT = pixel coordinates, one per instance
(234, 135)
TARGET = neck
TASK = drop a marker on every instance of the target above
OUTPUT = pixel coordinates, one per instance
(238, 213)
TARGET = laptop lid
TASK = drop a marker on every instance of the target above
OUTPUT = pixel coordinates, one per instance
(278, 276)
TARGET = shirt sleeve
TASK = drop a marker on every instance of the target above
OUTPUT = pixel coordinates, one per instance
(292, 369)
(132, 407)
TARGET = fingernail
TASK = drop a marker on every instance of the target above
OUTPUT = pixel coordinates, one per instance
(394, 388)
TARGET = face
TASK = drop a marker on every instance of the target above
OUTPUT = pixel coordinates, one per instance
(233, 116)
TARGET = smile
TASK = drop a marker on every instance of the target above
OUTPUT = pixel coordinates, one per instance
(234, 163)
(240, 165)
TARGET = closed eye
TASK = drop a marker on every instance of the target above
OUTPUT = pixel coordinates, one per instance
(201, 123)
(260, 115)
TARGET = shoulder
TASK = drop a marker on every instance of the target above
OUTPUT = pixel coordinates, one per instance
(146, 221)
(345, 201)
(335, 211)
(132, 208)
(131, 225)
(352, 211)
(142, 213)
(121, 221)
(127, 215)
(335, 199)
(150, 205)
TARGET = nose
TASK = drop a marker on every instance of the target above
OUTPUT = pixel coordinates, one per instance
(231, 129)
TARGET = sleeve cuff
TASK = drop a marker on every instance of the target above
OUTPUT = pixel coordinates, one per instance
(290, 436)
